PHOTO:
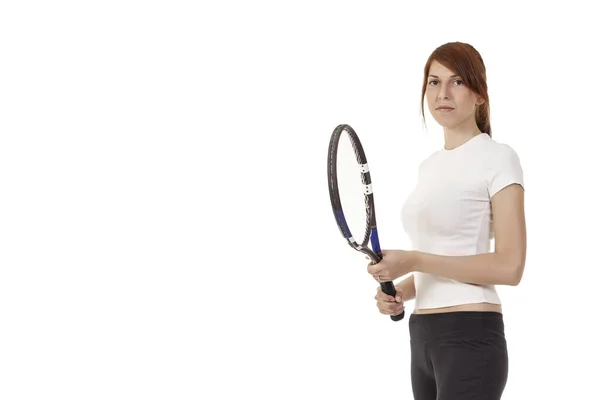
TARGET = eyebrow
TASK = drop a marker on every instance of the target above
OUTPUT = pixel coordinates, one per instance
(451, 76)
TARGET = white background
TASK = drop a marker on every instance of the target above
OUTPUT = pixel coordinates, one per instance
(165, 226)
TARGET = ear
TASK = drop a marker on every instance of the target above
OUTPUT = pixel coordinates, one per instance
(479, 101)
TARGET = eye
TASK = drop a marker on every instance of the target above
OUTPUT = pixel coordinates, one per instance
(459, 82)
(433, 82)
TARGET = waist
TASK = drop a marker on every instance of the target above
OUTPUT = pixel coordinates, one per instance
(436, 292)
(461, 307)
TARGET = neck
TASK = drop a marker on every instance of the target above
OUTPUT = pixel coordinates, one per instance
(458, 135)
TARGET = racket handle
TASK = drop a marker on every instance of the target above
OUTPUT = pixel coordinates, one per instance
(389, 289)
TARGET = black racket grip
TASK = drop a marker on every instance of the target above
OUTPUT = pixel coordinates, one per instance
(389, 289)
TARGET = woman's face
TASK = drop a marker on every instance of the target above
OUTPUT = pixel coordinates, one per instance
(450, 102)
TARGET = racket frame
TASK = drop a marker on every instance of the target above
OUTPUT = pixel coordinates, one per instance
(370, 233)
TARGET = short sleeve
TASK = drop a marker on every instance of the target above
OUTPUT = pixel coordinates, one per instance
(504, 168)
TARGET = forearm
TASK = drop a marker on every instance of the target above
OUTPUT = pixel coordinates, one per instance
(479, 269)
(407, 286)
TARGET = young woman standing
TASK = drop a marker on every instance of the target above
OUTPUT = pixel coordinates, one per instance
(468, 192)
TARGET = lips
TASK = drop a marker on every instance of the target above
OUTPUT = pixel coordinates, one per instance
(447, 108)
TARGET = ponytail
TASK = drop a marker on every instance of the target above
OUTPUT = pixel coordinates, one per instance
(482, 118)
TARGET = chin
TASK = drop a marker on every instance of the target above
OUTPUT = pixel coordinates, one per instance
(447, 123)
(450, 121)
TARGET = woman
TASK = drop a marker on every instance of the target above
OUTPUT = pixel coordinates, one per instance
(458, 347)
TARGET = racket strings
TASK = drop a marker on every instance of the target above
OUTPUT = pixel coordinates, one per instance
(367, 186)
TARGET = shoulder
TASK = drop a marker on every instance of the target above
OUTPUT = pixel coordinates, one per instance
(493, 148)
(502, 165)
(500, 155)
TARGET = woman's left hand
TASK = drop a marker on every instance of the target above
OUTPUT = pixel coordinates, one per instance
(393, 265)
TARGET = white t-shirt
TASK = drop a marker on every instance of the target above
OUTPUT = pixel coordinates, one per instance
(449, 213)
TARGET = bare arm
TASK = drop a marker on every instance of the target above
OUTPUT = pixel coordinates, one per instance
(407, 286)
(505, 265)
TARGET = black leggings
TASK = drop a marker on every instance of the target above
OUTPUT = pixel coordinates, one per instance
(458, 356)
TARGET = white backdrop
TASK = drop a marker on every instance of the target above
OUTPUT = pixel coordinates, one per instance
(165, 223)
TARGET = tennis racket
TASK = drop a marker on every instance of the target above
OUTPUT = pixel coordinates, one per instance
(349, 178)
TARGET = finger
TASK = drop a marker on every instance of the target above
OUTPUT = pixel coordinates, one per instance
(387, 306)
(397, 311)
(391, 310)
(388, 302)
(373, 269)
(399, 294)
(396, 308)
(383, 296)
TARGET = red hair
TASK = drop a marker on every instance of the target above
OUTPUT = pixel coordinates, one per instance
(465, 61)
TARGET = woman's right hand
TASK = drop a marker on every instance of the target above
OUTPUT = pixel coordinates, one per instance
(390, 305)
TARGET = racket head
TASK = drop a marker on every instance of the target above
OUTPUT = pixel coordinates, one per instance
(370, 224)
(344, 142)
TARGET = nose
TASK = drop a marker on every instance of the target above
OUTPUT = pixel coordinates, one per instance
(443, 93)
